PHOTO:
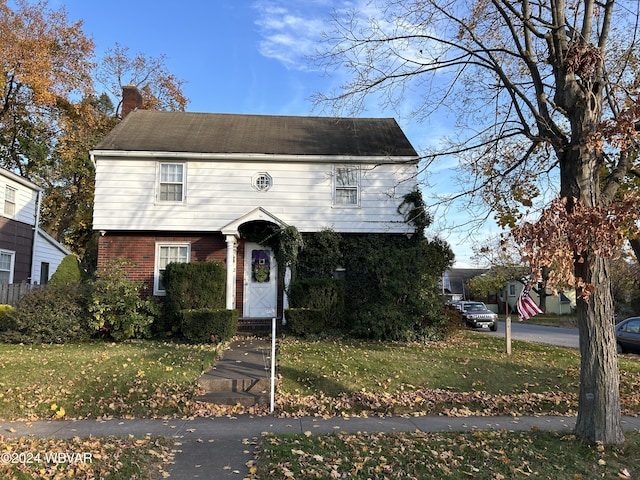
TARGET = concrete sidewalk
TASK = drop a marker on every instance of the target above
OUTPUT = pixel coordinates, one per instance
(220, 447)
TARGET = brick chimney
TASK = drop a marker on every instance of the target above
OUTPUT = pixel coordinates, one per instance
(131, 99)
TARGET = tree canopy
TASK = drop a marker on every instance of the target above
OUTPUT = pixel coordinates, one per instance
(545, 95)
(53, 111)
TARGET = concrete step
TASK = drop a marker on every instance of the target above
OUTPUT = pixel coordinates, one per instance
(234, 398)
(215, 384)
(241, 376)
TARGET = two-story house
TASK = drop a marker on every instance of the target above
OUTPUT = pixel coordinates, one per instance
(27, 254)
(178, 187)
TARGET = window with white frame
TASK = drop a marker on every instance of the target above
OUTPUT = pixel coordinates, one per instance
(9, 201)
(512, 289)
(167, 253)
(346, 186)
(7, 262)
(171, 182)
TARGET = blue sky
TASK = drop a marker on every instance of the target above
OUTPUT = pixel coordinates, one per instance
(249, 56)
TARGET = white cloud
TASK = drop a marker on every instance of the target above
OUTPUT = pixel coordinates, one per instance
(291, 30)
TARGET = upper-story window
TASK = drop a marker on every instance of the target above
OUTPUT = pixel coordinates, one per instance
(346, 186)
(9, 201)
(171, 182)
(262, 181)
(7, 260)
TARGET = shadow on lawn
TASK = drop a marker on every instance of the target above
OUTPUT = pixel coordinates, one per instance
(309, 384)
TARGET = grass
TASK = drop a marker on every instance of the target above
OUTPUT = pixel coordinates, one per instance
(479, 455)
(143, 379)
(109, 458)
(565, 321)
(468, 374)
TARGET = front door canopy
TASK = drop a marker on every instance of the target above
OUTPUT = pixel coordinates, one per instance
(258, 213)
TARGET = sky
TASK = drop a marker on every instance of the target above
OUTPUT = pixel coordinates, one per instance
(250, 56)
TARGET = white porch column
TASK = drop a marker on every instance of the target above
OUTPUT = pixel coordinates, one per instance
(232, 251)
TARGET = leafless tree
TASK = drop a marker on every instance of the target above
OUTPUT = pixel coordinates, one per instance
(541, 89)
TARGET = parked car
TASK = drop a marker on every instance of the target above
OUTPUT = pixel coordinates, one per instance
(477, 315)
(628, 335)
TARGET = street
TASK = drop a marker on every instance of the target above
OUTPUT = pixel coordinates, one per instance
(562, 337)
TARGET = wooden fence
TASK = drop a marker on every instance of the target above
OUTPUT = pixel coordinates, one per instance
(10, 293)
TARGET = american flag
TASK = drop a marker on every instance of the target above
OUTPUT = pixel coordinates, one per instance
(527, 307)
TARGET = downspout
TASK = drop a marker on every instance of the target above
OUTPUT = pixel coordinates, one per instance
(35, 236)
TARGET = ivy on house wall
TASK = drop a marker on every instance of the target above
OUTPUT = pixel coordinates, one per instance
(285, 242)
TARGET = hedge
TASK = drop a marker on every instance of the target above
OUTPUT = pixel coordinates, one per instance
(305, 321)
(324, 294)
(206, 325)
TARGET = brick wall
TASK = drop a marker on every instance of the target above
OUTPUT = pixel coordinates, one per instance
(140, 248)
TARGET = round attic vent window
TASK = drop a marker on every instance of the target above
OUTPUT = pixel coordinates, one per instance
(262, 181)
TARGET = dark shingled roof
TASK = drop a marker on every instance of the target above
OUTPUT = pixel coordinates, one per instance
(145, 130)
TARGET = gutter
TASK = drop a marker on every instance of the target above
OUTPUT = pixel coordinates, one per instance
(36, 227)
(256, 157)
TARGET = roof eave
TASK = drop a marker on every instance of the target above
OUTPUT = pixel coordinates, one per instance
(257, 157)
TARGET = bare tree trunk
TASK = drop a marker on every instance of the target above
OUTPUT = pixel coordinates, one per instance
(599, 417)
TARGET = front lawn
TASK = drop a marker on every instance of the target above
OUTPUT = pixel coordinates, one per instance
(490, 455)
(106, 458)
(133, 379)
(468, 374)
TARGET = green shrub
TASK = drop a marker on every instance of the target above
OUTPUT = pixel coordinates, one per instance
(6, 318)
(305, 321)
(55, 314)
(206, 325)
(320, 256)
(324, 294)
(116, 305)
(391, 285)
(68, 272)
(192, 286)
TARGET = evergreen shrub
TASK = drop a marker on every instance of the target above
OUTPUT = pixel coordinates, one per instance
(68, 272)
(55, 314)
(305, 321)
(323, 294)
(205, 325)
(192, 286)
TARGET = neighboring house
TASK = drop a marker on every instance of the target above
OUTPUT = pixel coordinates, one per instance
(454, 286)
(47, 256)
(179, 187)
(454, 283)
(27, 254)
(559, 304)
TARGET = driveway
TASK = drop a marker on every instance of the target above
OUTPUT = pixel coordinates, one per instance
(561, 337)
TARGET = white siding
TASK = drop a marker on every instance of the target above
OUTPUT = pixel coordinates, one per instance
(49, 251)
(25, 200)
(218, 192)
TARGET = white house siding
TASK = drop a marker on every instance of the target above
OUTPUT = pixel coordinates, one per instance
(49, 251)
(26, 197)
(219, 192)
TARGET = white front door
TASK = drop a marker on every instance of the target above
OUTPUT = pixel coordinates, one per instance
(260, 282)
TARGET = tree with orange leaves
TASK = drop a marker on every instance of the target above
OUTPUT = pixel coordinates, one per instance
(51, 115)
(44, 59)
